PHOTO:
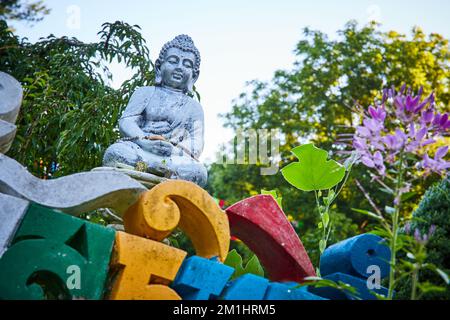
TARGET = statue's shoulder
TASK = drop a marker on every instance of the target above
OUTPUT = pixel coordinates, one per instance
(195, 106)
(144, 91)
(142, 94)
(138, 101)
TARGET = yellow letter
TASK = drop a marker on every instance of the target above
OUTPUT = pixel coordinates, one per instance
(145, 268)
(183, 204)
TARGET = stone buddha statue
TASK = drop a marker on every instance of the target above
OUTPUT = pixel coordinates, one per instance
(162, 126)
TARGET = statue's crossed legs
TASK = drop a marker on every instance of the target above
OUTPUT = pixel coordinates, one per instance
(177, 166)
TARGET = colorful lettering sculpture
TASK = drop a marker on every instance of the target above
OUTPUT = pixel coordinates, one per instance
(202, 279)
(353, 256)
(47, 248)
(206, 279)
(12, 210)
(352, 261)
(144, 269)
(261, 224)
(181, 203)
(289, 291)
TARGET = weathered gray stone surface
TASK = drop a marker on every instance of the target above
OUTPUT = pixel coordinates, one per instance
(72, 194)
(147, 179)
(162, 126)
(12, 210)
(10, 101)
(7, 134)
(117, 227)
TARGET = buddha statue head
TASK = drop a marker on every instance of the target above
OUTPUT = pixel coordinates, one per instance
(178, 65)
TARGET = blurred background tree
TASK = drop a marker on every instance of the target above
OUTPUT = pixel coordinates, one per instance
(70, 111)
(313, 101)
(29, 11)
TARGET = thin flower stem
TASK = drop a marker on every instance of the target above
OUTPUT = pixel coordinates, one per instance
(326, 227)
(367, 196)
(321, 218)
(378, 212)
(323, 228)
(419, 263)
(395, 217)
(382, 183)
(317, 203)
(329, 231)
(415, 281)
(347, 174)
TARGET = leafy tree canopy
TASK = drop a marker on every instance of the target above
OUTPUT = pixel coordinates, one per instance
(330, 76)
(70, 112)
(23, 10)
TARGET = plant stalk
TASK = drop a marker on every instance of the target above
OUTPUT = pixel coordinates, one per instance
(395, 218)
(415, 281)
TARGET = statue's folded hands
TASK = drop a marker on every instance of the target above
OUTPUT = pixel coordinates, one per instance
(158, 147)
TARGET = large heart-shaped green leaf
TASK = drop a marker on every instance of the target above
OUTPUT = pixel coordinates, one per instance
(313, 171)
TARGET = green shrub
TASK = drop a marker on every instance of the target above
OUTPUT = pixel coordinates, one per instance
(434, 209)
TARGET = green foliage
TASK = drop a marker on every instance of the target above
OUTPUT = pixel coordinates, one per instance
(434, 209)
(253, 266)
(319, 282)
(343, 228)
(23, 10)
(311, 102)
(180, 240)
(313, 172)
(330, 75)
(70, 112)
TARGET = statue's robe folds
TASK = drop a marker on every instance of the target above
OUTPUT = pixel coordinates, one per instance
(174, 116)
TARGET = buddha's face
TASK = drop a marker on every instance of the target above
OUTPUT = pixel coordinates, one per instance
(177, 70)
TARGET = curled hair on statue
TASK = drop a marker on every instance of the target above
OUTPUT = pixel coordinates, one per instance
(185, 43)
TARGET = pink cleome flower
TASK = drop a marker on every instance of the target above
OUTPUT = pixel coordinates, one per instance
(402, 122)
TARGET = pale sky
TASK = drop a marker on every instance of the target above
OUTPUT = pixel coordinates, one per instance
(239, 40)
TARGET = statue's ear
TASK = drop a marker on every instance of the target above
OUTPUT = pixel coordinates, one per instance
(190, 84)
(158, 77)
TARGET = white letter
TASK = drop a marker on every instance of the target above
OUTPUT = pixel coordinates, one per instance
(240, 146)
(374, 280)
(274, 151)
(252, 146)
(74, 281)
